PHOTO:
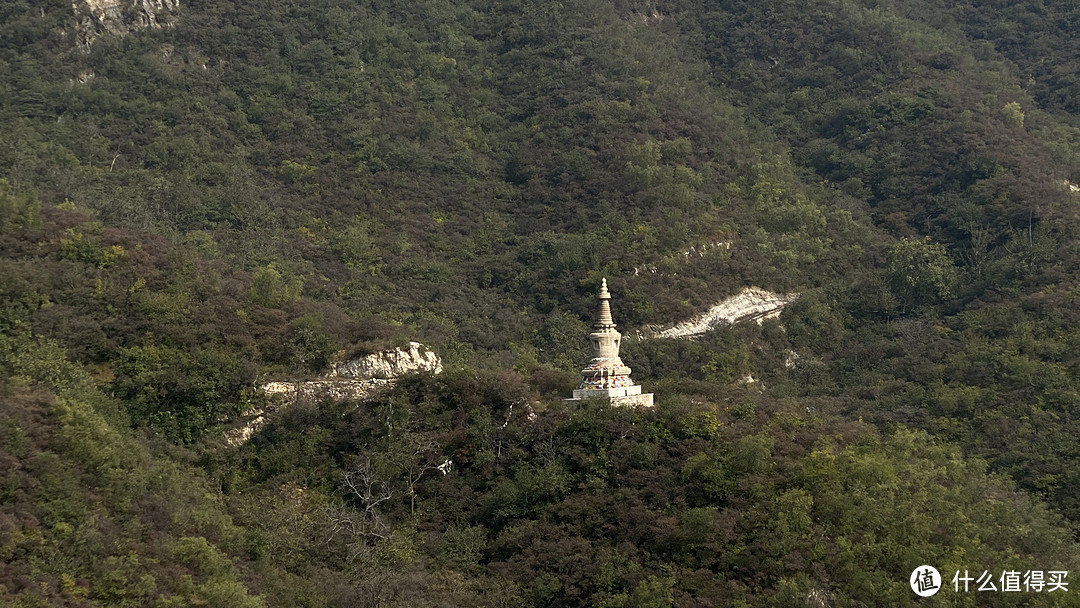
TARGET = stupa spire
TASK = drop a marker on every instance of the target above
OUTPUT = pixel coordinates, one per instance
(605, 321)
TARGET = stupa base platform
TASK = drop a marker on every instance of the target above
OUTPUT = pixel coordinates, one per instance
(625, 396)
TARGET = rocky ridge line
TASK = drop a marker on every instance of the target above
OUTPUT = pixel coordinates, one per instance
(353, 380)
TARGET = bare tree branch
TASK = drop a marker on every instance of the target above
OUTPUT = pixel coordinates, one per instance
(359, 527)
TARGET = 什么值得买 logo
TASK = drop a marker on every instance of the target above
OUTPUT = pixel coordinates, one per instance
(925, 580)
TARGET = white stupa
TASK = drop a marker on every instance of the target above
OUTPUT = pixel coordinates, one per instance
(606, 376)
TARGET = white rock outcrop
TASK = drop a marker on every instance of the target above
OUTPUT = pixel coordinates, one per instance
(750, 304)
(389, 364)
(339, 390)
(97, 17)
(353, 380)
(253, 421)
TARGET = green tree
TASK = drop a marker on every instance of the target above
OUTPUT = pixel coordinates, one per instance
(921, 272)
(270, 287)
(1014, 114)
(23, 210)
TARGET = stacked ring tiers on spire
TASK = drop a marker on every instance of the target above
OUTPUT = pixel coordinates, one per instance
(605, 321)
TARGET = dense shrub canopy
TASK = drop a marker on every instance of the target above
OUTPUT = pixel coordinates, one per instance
(258, 188)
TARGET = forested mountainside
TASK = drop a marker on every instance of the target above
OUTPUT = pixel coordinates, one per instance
(200, 196)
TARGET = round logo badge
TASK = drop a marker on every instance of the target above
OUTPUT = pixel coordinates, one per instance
(925, 581)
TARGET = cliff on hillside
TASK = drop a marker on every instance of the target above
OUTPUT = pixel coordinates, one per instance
(97, 17)
(355, 379)
(750, 304)
(389, 364)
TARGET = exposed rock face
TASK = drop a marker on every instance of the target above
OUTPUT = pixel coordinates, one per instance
(338, 390)
(283, 394)
(253, 421)
(353, 380)
(97, 17)
(752, 303)
(389, 364)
